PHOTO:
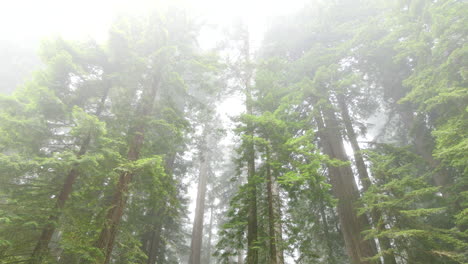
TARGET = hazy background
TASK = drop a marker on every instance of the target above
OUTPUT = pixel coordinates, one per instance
(24, 23)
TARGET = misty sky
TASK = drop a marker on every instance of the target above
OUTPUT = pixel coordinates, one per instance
(26, 19)
(24, 23)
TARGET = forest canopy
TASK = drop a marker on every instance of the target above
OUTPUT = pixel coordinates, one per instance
(340, 137)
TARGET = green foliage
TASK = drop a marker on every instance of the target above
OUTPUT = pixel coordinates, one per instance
(413, 210)
(401, 61)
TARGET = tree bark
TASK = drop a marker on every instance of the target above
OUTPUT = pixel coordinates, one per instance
(384, 242)
(197, 231)
(106, 239)
(358, 159)
(252, 232)
(271, 213)
(345, 189)
(210, 232)
(42, 246)
(278, 225)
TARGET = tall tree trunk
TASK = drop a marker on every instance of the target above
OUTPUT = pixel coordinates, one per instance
(252, 232)
(345, 189)
(326, 227)
(360, 165)
(197, 231)
(106, 239)
(271, 213)
(278, 225)
(42, 246)
(385, 245)
(210, 233)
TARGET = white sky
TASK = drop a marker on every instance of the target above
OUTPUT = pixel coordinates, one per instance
(26, 19)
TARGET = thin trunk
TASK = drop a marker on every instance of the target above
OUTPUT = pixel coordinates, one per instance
(252, 232)
(210, 232)
(384, 242)
(278, 222)
(271, 213)
(42, 246)
(360, 165)
(278, 225)
(106, 239)
(197, 231)
(345, 189)
(326, 226)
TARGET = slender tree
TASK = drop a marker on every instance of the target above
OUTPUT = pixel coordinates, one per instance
(197, 230)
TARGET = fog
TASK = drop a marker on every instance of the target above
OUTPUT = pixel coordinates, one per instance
(233, 132)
